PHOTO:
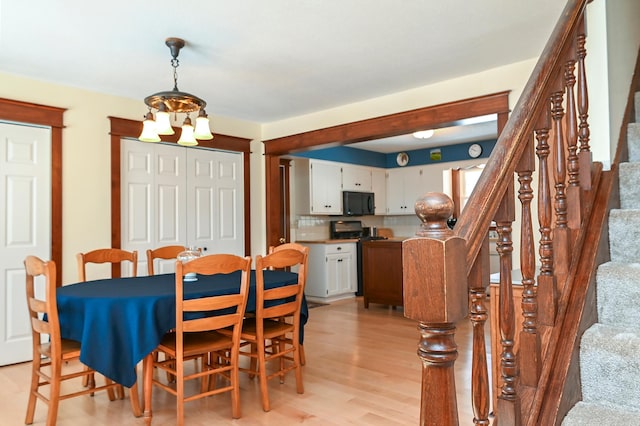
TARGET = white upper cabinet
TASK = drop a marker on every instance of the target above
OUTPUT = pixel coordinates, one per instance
(404, 186)
(379, 188)
(356, 178)
(318, 187)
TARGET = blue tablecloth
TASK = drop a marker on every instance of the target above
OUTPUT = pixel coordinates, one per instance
(121, 320)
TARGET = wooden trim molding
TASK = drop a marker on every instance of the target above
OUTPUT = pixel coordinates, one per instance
(25, 112)
(125, 128)
(373, 128)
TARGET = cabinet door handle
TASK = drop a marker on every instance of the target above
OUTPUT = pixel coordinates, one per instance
(339, 248)
(339, 260)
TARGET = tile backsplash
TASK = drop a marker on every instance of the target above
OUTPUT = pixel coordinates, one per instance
(309, 228)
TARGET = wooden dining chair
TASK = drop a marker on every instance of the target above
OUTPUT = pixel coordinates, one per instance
(166, 252)
(197, 336)
(106, 255)
(51, 353)
(277, 320)
(113, 256)
(302, 249)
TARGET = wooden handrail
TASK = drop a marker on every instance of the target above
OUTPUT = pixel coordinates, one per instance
(498, 173)
(547, 128)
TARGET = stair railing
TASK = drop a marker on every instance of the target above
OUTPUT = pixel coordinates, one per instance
(446, 272)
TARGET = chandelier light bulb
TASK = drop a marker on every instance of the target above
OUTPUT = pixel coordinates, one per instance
(149, 132)
(163, 122)
(186, 137)
(202, 130)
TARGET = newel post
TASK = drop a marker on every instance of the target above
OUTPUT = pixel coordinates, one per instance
(435, 294)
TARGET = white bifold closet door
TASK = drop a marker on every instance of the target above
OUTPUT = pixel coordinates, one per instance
(177, 195)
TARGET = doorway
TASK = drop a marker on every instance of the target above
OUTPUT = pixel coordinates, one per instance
(374, 128)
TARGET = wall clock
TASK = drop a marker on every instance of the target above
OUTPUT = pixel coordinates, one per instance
(475, 150)
(402, 159)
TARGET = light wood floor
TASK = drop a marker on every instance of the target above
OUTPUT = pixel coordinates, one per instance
(362, 369)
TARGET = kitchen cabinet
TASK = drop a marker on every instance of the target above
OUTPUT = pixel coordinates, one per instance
(318, 187)
(356, 178)
(332, 273)
(404, 186)
(382, 272)
(379, 188)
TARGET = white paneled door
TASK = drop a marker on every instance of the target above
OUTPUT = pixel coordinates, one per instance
(172, 195)
(25, 228)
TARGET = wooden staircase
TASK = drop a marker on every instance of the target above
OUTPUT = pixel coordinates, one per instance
(565, 203)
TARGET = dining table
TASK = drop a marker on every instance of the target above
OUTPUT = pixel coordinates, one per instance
(118, 321)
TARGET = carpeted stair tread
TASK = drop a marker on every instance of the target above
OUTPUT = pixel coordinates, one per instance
(610, 348)
(589, 414)
(629, 188)
(610, 365)
(624, 234)
(618, 294)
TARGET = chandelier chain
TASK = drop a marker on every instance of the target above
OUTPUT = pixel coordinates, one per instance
(175, 63)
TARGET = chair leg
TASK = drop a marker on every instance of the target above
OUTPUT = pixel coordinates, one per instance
(147, 372)
(135, 400)
(262, 372)
(31, 406)
(303, 358)
(110, 392)
(253, 365)
(54, 395)
(234, 376)
(297, 356)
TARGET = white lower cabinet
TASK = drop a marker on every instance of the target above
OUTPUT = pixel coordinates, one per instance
(332, 271)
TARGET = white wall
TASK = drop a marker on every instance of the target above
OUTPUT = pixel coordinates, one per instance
(510, 77)
(86, 184)
(613, 40)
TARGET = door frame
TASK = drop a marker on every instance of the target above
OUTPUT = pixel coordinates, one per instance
(373, 128)
(49, 116)
(126, 128)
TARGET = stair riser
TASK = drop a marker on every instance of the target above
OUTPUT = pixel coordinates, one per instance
(629, 185)
(618, 294)
(610, 366)
(624, 235)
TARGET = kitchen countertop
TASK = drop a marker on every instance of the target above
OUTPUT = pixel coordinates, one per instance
(329, 241)
(346, 240)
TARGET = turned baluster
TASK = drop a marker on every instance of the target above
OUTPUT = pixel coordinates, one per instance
(547, 289)
(560, 231)
(529, 352)
(508, 410)
(436, 294)
(583, 110)
(574, 203)
(478, 282)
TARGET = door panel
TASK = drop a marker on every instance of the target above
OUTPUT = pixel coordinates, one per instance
(25, 228)
(192, 197)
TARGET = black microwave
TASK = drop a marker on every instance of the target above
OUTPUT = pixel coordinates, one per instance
(357, 203)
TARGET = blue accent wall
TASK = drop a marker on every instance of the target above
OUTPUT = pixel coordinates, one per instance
(449, 153)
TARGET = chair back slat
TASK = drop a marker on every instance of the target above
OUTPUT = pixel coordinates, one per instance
(166, 252)
(107, 255)
(236, 303)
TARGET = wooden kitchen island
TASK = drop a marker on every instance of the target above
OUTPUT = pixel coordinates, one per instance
(382, 272)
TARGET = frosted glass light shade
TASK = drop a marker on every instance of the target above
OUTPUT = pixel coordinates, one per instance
(149, 132)
(186, 137)
(202, 130)
(163, 123)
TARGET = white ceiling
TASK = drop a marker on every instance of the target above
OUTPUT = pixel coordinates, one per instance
(265, 61)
